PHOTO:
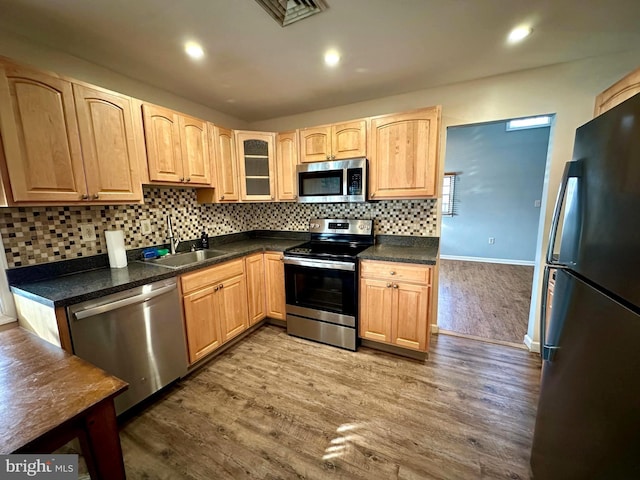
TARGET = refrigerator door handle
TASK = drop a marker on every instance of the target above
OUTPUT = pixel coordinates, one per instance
(546, 351)
(543, 312)
(571, 169)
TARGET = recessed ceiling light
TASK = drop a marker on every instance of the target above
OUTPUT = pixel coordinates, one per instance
(519, 33)
(332, 58)
(194, 50)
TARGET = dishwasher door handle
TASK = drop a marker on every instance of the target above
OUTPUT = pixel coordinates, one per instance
(107, 307)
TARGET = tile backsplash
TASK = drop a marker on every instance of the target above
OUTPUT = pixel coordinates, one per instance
(33, 235)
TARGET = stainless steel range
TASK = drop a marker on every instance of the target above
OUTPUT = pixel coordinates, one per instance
(321, 278)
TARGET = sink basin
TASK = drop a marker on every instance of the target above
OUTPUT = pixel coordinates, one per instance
(179, 260)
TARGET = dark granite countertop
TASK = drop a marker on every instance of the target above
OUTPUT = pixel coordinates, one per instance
(409, 249)
(66, 290)
(62, 290)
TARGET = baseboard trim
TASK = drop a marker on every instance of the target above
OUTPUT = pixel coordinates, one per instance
(404, 352)
(505, 261)
(277, 322)
(483, 339)
(531, 345)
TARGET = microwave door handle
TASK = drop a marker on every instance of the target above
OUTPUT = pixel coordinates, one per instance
(571, 169)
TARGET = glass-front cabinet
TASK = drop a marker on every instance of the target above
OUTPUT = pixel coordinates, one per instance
(257, 165)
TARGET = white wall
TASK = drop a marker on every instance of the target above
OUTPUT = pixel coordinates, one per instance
(568, 90)
(45, 58)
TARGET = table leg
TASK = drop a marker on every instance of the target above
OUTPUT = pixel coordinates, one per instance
(101, 443)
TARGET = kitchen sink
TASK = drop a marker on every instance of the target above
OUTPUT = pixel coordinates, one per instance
(179, 260)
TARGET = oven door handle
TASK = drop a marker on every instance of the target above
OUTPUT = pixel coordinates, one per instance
(315, 263)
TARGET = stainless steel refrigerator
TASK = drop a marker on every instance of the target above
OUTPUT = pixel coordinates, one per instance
(588, 419)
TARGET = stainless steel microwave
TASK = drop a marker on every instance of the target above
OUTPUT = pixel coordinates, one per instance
(333, 182)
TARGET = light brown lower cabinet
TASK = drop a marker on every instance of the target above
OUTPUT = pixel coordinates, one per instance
(256, 291)
(395, 303)
(215, 306)
(274, 276)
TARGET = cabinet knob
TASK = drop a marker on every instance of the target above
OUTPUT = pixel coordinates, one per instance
(216, 288)
(188, 179)
(96, 196)
(281, 258)
(392, 272)
(333, 157)
(221, 286)
(395, 285)
(295, 197)
(85, 197)
(272, 197)
(388, 284)
(222, 197)
(328, 157)
(182, 179)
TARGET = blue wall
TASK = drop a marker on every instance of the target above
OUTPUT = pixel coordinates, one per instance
(500, 176)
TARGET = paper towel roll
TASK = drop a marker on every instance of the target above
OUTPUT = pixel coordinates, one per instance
(115, 248)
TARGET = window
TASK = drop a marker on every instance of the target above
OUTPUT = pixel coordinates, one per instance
(529, 122)
(448, 186)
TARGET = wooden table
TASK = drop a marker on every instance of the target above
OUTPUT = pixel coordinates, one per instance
(48, 397)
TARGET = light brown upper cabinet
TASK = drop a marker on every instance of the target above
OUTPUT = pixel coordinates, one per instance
(257, 165)
(177, 147)
(333, 142)
(226, 164)
(286, 161)
(618, 93)
(403, 154)
(66, 143)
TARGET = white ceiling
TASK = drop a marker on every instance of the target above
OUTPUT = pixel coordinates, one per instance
(255, 69)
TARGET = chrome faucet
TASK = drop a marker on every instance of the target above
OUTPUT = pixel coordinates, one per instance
(173, 241)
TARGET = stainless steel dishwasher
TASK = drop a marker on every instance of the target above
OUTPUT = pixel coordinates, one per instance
(136, 335)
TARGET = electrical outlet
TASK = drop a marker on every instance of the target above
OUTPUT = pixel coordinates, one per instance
(536, 204)
(492, 240)
(87, 232)
(145, 227)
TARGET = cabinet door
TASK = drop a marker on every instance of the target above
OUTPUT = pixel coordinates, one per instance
(231, 297)
(40, 137)
(618, 93)
(315, 144)
(108, 145)
(226, 164)
(375, 309)
(256, 287)
(410, 324)
(257, 166)
(349, 140)
(202, 322)
(164, 152)
(274, 273)
(196, 163)
(403, 155)
(286, 161)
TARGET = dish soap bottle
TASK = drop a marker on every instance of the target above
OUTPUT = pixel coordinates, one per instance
(205, 239)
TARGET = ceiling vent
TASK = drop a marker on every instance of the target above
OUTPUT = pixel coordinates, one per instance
(286, 12)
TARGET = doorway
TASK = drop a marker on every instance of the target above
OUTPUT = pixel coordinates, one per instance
(488, 237)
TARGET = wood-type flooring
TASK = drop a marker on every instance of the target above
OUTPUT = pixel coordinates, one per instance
(276, 406)
(489, 300)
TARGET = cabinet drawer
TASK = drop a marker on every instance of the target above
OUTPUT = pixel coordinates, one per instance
(406, 272)
(210, 275)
